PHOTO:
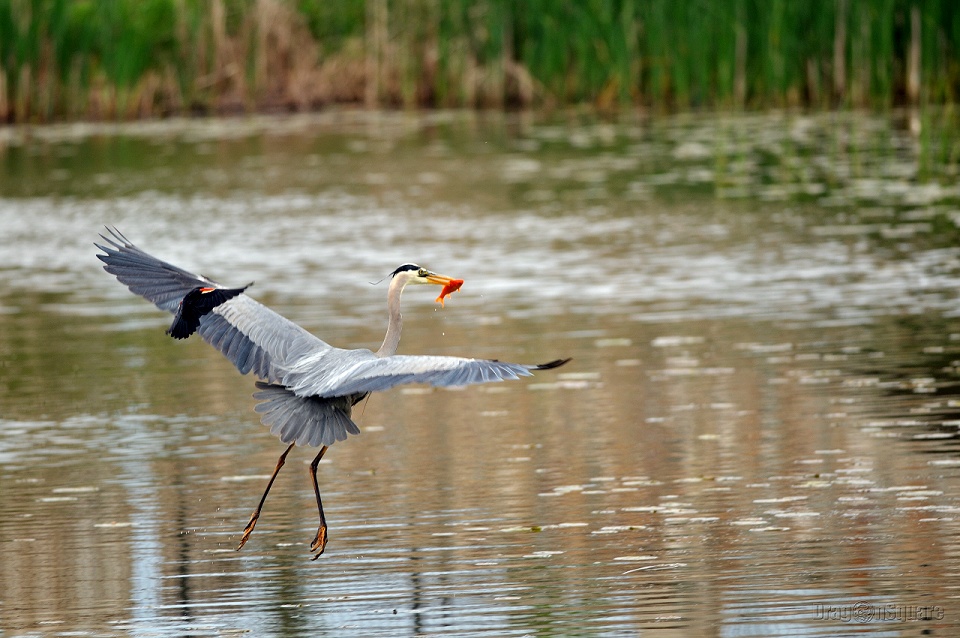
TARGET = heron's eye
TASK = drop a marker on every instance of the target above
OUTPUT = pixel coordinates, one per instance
(422, 272)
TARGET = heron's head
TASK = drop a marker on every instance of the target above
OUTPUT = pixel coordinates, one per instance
(414, 274)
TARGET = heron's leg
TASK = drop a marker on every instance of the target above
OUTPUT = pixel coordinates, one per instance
(320, 540)
(256, 513)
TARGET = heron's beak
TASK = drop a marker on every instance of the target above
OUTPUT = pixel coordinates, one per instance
(449, 285)
(440, 280)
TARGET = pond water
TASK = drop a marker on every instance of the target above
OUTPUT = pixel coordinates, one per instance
(757, 435)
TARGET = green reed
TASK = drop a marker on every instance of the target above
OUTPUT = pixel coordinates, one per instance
(132, 58)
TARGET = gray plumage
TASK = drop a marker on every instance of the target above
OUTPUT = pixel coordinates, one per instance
(310, 386)
(304, 420)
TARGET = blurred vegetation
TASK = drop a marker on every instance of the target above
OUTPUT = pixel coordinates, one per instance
(63, 59)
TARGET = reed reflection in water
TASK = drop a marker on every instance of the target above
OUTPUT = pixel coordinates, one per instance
(759, 425)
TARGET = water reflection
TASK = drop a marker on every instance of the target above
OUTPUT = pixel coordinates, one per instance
(760, 426)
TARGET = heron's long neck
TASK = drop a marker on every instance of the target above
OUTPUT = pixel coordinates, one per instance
(395, 323)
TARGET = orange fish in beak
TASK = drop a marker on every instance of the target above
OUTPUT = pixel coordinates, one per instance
(452, 286)
(449, 285)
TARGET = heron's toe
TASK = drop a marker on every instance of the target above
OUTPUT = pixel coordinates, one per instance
(319, 542)
(248, 530)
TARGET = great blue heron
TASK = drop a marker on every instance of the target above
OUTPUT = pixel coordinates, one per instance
(309, 387)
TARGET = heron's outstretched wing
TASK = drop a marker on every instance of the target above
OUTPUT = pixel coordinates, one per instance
(248, 333)
(346, 372)
(153, 279)
(256, 338)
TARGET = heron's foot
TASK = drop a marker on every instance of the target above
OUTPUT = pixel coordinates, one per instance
(319, 542)
(248, 530)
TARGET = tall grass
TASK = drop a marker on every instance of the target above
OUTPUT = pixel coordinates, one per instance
(134, 58)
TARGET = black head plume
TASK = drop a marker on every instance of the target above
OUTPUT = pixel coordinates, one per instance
(403, 268)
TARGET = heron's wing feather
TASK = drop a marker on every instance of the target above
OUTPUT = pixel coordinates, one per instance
(248, 333)
(346, 372)
(153, 279)
(256, 338)
(304, 420)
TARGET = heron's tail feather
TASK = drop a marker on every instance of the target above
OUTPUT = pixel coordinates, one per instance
(312, 421)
